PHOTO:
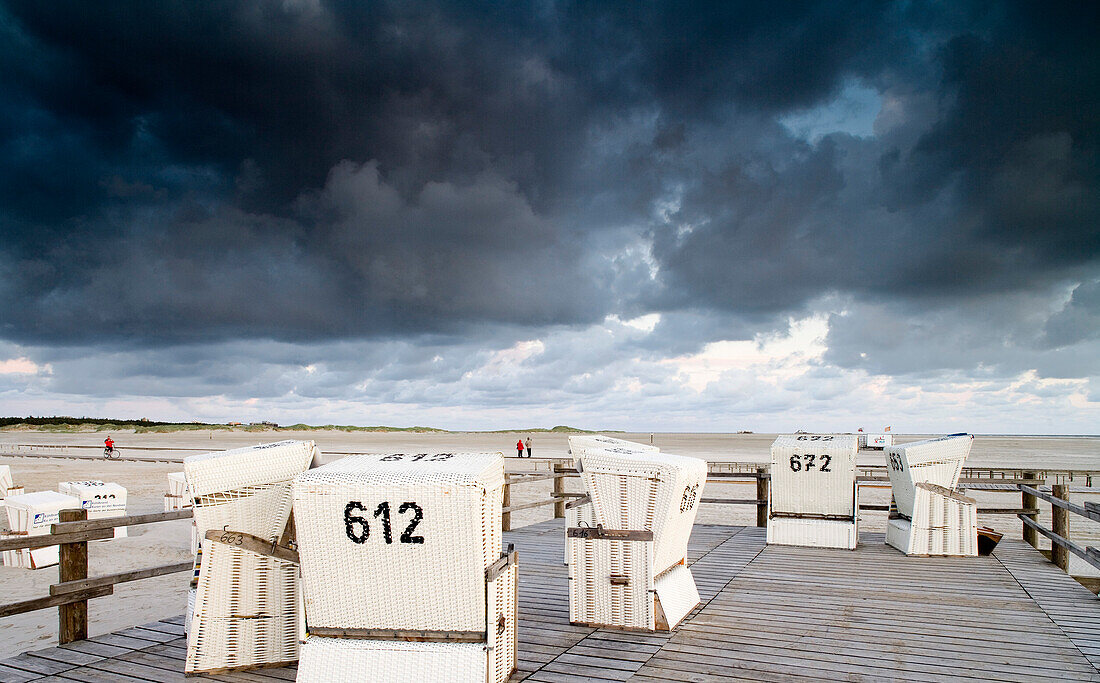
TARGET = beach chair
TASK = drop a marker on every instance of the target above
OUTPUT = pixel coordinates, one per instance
(245, 600)
(813, 499)
(177, 497)
(32, 514)
(579, 512)
(102, 500)
(403, 571)
(932, 518)
(630, 570)
(7, 486)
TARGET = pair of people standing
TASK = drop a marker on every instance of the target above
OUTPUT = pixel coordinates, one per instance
(520, 446)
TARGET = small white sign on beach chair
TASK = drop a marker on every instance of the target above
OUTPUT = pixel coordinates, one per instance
(813, 497)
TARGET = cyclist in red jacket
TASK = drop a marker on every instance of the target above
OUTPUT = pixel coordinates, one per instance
(109, 444)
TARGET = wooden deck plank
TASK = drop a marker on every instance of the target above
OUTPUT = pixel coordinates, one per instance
(768, 614)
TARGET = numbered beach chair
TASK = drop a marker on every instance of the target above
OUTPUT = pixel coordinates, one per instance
(32, 514)
(580, 512)
(102, 500)
(932, 518)
(813, 499)
(630, 571)
(245, 612)
(403, 569)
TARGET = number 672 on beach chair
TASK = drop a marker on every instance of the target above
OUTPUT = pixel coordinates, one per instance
(813, 499)
(932, 518)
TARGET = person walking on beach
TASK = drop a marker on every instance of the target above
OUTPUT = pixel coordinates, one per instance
(528, 444)
(519, 448)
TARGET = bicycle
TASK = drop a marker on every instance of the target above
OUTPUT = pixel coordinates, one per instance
(111, 453)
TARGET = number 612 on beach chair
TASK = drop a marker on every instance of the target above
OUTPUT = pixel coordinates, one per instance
(403, 569)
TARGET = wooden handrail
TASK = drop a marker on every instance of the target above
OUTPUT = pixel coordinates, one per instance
(127, 520)
(1090, 555)
(1094, 515)
(66, 587)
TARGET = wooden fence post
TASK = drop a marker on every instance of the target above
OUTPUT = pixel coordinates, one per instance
(559, 487)
(73, 566)
(1028, 502)
(761, 496)
(506, 518)
(1058, 554)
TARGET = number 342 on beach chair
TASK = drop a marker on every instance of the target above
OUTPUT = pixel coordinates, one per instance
(630, 571)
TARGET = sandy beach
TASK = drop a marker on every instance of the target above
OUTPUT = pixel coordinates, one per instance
(166, 543)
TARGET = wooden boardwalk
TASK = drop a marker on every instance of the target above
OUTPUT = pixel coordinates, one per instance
(768, 614)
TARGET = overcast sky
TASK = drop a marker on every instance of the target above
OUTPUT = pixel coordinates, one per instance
(635, 215)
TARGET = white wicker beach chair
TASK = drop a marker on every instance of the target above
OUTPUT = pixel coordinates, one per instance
(31, 514)
(245, 605)
(6, 483)
(102, 500)
(631, 570)
(579, 443)
(813, 498)
(932, 518)
(177, 497)
(426, 530)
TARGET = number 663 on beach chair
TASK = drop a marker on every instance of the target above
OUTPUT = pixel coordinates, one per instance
(932, 518)
(813, 498)
(630, 570)
(245, 593)
(403, 572)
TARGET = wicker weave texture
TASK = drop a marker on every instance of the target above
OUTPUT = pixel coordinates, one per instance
(579, 444)
(655, 491)
(429, 572)
(501, 624)
(935, 461)
(813, 533)
(5, 480)
(814, 474)
(176, 496)
(246, 489)
(337, 660)
(943, 523)
(676, 593)
(580, 515)
(594, 599)
(245, 611)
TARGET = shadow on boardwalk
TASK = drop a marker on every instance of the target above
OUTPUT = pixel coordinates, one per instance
(771, 614)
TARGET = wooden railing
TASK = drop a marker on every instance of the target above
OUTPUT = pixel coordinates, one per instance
(74, 589)
(1060, 507)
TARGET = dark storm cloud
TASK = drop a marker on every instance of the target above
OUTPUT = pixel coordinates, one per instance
(187, 172)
